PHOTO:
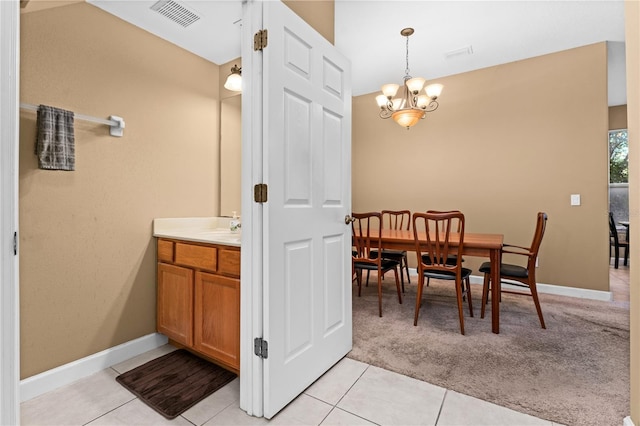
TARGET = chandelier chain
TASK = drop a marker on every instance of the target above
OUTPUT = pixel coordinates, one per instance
(406, 70)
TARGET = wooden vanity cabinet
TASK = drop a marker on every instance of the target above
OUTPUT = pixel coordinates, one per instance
(198, 300)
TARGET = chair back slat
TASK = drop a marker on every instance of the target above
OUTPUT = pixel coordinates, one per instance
(396, 219)
(442, 238)
(367, 236)
(613, 231)
(541, 225)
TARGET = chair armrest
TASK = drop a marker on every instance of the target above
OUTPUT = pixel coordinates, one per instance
(524, 250)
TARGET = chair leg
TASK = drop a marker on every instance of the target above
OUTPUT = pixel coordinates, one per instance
(359, 281)
(485, 294)
(406, 267)
(468, 291)
(395, 271)
(368, 272)
(401, 275)
(380, 292)
(626, 255)
(534, 294)
(459, 299)
(616, 253)
(418, 299)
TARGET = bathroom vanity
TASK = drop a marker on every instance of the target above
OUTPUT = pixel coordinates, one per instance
(198, 289)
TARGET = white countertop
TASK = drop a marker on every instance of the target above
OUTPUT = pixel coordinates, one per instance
(212, 230)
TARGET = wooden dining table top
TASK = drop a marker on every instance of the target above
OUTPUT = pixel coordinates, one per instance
(474, 243)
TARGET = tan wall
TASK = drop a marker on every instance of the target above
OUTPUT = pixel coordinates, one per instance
(506, 142)
(36, 5)
(87, 254)
(317, 13)
(618, 117)
(632, 36)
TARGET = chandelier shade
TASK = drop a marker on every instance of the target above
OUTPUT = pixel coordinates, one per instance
(234, 80)
(410, 106)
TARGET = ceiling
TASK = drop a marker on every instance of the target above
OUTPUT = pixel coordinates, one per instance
(450, 37)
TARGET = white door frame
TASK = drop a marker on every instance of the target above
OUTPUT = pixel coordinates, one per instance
(251, 384)
(9, 278)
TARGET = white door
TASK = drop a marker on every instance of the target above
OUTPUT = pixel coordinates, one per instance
(307, 167)
(9, 289)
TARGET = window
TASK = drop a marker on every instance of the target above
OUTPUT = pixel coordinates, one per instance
(618, 156)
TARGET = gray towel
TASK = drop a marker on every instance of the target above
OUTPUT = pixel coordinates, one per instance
(55, 143)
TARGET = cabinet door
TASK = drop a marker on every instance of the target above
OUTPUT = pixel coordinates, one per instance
(217, 318)
(175, 303)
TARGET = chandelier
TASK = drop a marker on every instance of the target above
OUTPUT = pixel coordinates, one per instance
(410, 106)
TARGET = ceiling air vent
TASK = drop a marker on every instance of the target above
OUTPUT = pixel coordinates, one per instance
(176, 12)
(467, 50)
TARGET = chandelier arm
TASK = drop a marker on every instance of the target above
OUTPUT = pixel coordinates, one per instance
(385, 113)
(432, 106)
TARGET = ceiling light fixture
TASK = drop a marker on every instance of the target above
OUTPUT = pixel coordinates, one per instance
(234, 80)
(410, 106)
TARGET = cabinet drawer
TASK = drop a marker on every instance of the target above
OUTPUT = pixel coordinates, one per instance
(229, 262)
(197, 256)
(165, 251)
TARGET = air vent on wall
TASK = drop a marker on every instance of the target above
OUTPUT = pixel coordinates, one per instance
(176, 12)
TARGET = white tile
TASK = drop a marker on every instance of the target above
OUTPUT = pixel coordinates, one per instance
(304, 410)
(338, 417)
(233, 415)
(335, 383)
(77, 403)
(213, 404)
(137, 361)
(384, 397)
(136, 413)
(459, 409)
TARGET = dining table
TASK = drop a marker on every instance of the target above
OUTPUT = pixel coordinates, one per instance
(625, 223)
(478, 245)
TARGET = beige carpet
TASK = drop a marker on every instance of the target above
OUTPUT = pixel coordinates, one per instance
(576, 372)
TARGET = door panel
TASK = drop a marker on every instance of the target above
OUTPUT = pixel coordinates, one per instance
(307, 166)
(175, 303)
(216, 328)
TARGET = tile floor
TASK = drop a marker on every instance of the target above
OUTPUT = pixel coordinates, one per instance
(351, 393)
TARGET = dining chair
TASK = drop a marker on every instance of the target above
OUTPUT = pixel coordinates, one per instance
(451, 259)
(367, 236)
(396, 219)
(616, 243)
(520, 276)
(438, 235)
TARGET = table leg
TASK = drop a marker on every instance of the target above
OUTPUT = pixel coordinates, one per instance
(496, 259)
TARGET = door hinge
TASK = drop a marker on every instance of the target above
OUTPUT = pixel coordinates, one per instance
(15, 243)
(260, 193)
(260, 40)
(261, 347)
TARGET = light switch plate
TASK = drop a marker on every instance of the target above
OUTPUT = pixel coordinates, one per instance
(575, 199)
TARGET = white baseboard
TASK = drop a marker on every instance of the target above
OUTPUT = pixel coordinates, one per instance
(68, 373)
(581, 293)
(627, 421)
